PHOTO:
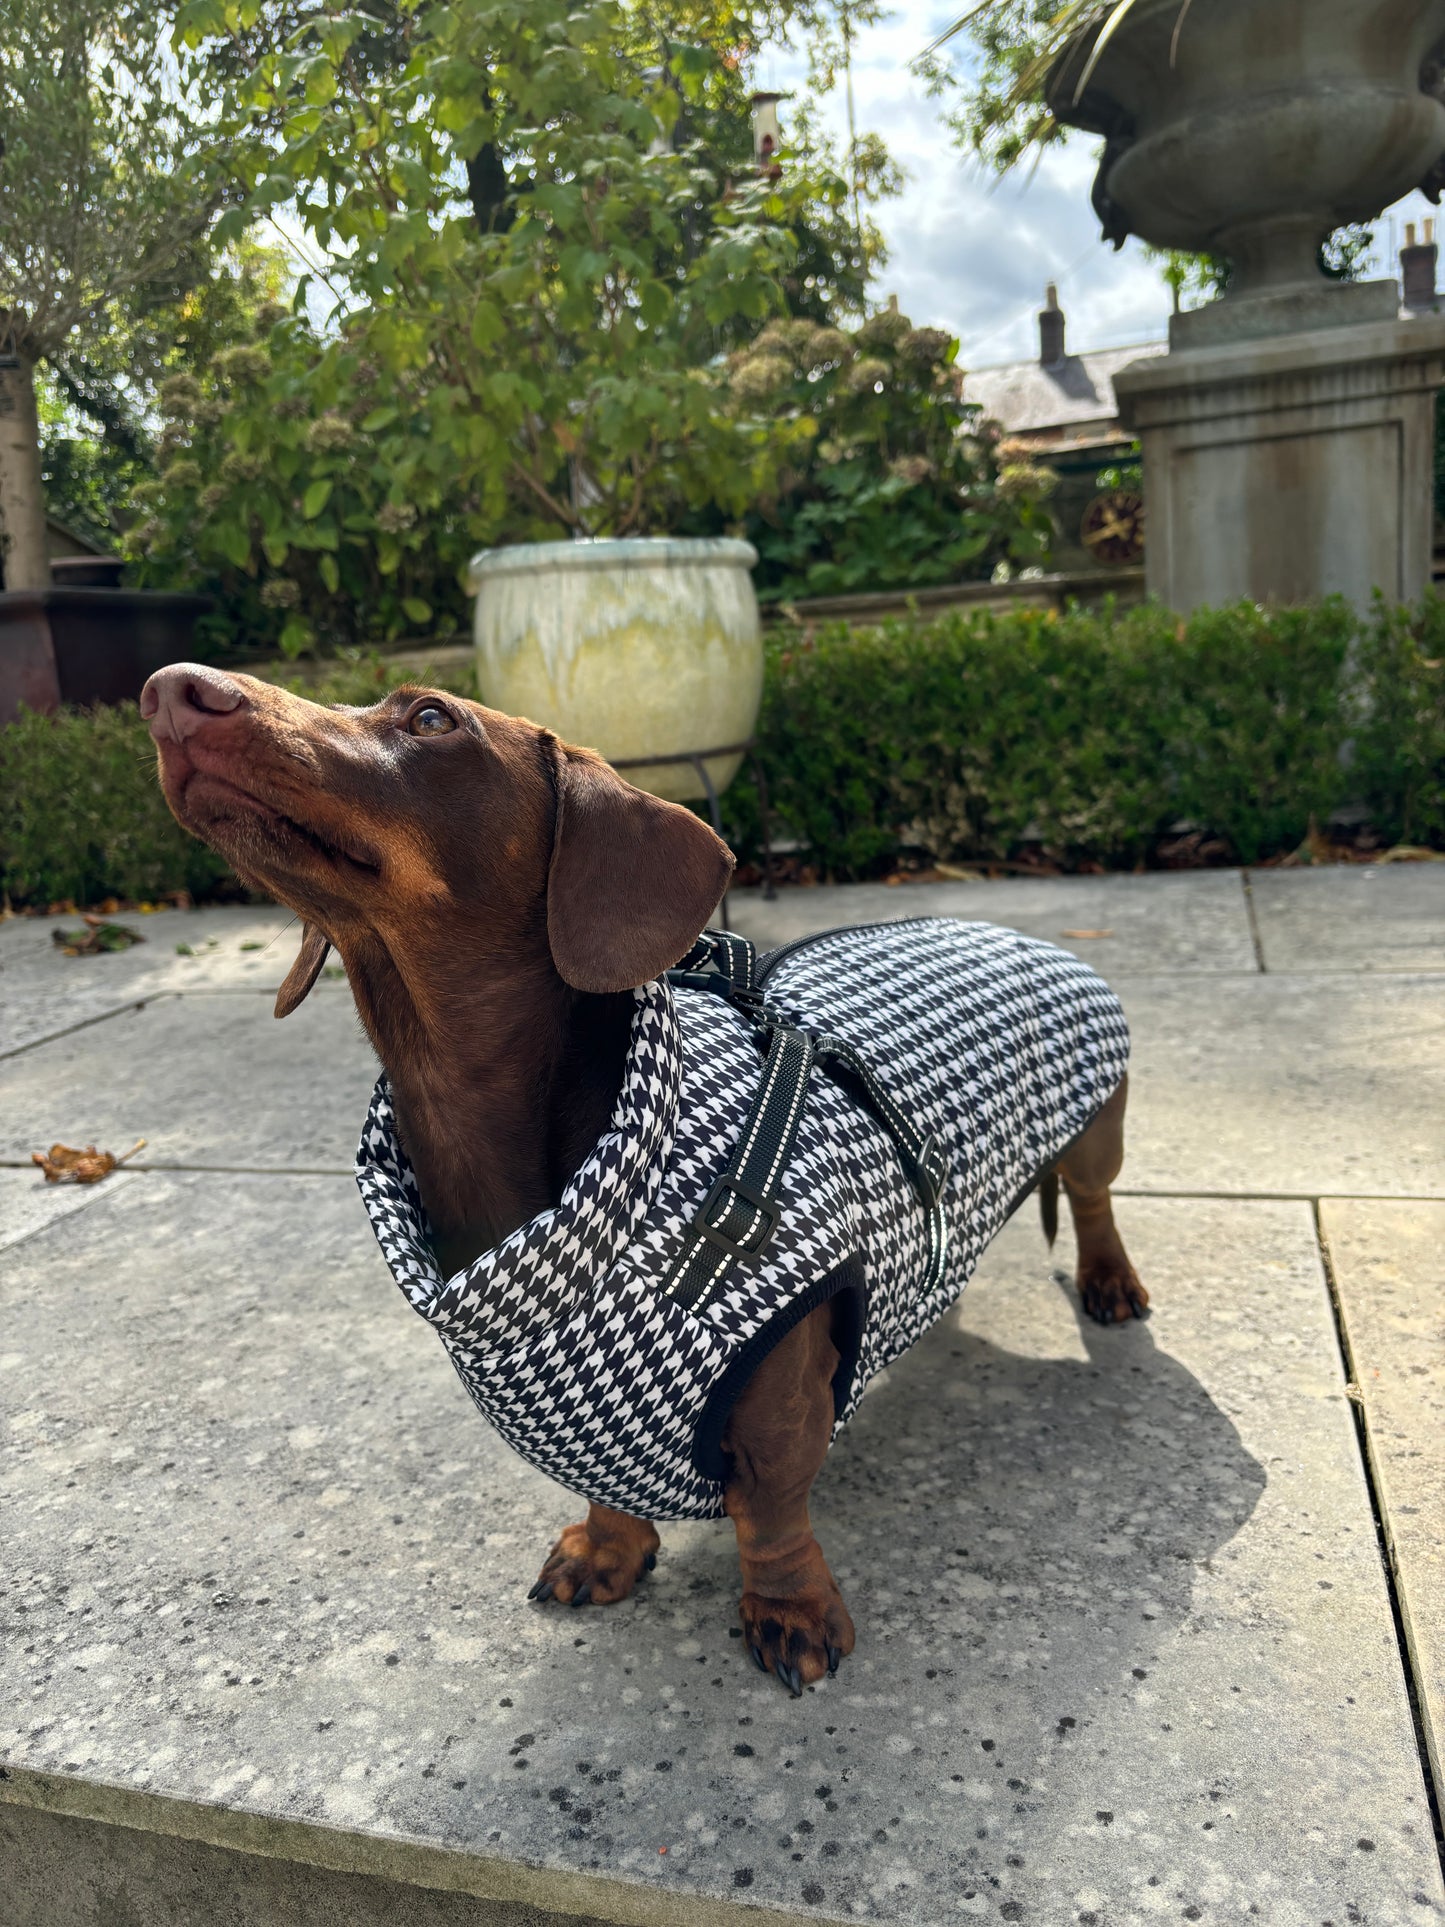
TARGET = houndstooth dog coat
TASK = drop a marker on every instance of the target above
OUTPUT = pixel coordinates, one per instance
(1000, 1048)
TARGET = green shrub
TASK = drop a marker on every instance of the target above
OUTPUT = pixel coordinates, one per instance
(82, 816)
(1093, 733)
(891, 480)
(963, 738)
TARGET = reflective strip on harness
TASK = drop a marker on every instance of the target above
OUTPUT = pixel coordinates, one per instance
(741, 1211)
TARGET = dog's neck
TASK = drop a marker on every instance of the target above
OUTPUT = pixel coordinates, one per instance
(503, 1079)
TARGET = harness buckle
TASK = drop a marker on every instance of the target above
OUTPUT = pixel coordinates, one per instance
(930, 1171)
(758, 1233)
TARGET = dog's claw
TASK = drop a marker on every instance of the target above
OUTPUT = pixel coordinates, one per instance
(534, 1589)
(542, 1590)
(758, 1660)
(793, 1680)
(650, 1562)
(835, 1657)
(583, 1593)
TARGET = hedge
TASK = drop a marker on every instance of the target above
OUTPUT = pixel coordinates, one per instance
(965, 738)
(1091, 734)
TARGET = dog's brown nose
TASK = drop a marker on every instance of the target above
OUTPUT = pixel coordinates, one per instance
(181, 698)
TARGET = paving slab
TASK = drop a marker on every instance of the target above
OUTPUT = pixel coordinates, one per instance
(1190, 921)
(1351, 917)
(1239, 1085)
(1125, 1644)
(43, 992)
(207, 1079)
(1386, 1260)
(1294, 1085)
(28, 1204)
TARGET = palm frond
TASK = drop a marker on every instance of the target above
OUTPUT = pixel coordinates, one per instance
(1106, 34)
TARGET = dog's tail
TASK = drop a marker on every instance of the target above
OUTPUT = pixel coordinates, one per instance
(1049, 1205)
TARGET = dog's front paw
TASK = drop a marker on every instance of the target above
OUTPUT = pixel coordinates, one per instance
(1111, 1292)
(601, 1567)
(798, 1638)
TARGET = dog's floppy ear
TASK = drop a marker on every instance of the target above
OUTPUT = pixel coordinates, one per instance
(315, 948)
(632, 879)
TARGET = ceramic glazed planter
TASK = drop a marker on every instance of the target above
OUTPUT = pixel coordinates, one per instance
(644, 647)
(1265, 126)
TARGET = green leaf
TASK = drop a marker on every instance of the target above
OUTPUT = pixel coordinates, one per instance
(294, 637)
(234, 543)
(231, 226)
(416, 609)
(381, 417)
(330, 573)
(275, 548)
(319, 81)
(316, 498)
(487, 325)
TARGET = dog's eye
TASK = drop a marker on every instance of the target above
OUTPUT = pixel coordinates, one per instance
(431, 720)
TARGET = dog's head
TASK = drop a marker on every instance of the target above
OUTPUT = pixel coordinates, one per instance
(428, 812)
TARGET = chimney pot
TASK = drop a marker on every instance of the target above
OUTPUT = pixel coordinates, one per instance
(1418, 262)
(1051, 329)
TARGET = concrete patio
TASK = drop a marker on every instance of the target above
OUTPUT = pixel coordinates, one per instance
(1151, 1621)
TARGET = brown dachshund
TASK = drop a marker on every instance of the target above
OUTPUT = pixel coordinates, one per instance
(496, 895)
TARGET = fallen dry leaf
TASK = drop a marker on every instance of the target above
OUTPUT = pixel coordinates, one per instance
(63, 1164)
(955, 874)
(1086, 933)
(1409, 853)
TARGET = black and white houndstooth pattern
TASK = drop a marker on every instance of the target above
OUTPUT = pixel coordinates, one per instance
(1003, 1046)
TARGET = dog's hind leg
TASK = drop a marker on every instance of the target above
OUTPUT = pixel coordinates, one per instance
(600, 1560)
(1107, 1282)
(794, 1620)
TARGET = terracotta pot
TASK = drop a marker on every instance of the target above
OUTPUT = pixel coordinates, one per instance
(644, 647)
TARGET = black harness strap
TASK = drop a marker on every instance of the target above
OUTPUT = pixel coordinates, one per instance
(740, 1213)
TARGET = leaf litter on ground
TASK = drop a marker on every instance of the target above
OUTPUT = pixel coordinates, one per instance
(64, 1164)
(98, 937)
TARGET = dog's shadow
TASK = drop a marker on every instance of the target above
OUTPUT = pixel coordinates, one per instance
(982, 1499)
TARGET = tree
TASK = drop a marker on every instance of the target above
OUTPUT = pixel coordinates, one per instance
(107, 190)
(544, 229)
(102, 434)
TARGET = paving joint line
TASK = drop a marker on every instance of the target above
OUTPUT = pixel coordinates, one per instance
(220, 1170)
(86, 1023)
(1354, 1399)
(1279, 1197)
(1254, 936)
(1311, 1198)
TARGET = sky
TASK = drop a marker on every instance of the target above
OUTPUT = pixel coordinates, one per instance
(972, 254)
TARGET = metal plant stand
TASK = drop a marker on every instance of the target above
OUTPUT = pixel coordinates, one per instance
(698, 758)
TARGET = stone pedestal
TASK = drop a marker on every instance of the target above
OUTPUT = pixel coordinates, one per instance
(1290, 467)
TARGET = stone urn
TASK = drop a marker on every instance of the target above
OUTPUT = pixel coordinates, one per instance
(643, 648)
(1253, 129)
